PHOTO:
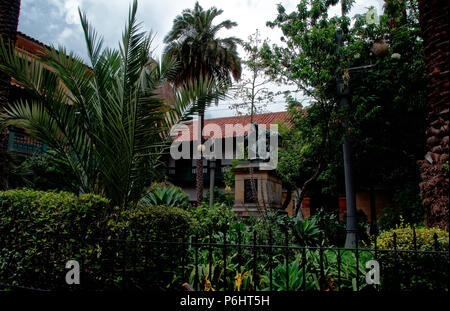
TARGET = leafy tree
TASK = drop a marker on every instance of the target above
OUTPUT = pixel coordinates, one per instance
(194, 44)
(385, 145)
(307, 60)
(387, 100)
(252, 91)
(108, 121)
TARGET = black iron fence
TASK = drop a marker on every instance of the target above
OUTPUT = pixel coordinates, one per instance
(227, 260)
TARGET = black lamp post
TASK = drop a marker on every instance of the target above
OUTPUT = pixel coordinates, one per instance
(344, 95)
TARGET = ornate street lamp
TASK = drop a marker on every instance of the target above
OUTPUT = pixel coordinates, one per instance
(379, 48)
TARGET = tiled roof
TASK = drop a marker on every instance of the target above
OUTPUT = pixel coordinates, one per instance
(264, 118)
(30, 44)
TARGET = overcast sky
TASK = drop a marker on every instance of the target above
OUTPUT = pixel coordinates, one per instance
(56, 22)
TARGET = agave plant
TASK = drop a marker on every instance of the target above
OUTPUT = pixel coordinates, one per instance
(108, 119)
(307, 231)
(167, 196)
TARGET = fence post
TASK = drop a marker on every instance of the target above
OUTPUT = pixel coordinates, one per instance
(396, 260)
(135, 254)
(210, 254)
(357, 263)
(415, 248)
(322, 273)
(196, 261)
(124, 264)
(436, 242)
(376, 258)
(239, 248)
(270, 258)
(183, 261)
(339, 268)
(225, 258)
(254, 259)
(286, 242)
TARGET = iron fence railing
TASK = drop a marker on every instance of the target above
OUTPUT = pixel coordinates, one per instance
(226, 260)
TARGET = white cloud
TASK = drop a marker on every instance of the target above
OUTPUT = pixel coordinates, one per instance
(71, 11)
(57, 21)
(67, 33)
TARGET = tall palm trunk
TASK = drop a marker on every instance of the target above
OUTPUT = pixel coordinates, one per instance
(199, 166)
(434, 170)
(9, 20)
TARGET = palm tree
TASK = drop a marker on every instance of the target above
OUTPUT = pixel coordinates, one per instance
(108, 121)
(435, 174)
(194, 44)
(9, 19)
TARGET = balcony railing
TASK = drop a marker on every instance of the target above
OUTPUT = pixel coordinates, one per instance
(24, 144)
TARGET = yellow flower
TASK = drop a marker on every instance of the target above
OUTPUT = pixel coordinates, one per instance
(239, 277)
(208, 285)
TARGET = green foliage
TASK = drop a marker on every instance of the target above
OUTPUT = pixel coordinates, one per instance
(296, 279)
(406, 207)
(385, 146)
(307, 272)
(41, 231)
(228, 174)
(31, 222)
(44, 172)
(219, 279)
(334, 231)
(253, 93)
(104, 120)
(154, 223)
(421, 271)
(425, 239)
(207, 220)
(194, 44)
(307, 232)
(220, 197)
(167, 196)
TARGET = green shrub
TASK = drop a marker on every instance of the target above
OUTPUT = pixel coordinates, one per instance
(153, 223)
(168, 196)
(334, 231)
(41, 231)
(156, 260)
(45, 171)
(425, 239)
(410, 270)
(220, 197)
(207, 219)
(406, 207)
(307, 232)
(309, 275)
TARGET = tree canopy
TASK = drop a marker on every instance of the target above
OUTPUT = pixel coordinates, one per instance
(386, 146)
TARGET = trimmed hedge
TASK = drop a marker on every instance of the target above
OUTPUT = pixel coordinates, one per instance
(39, 228)
(425, 240)
(403, 270)
(154, 223)
(40, 231)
